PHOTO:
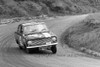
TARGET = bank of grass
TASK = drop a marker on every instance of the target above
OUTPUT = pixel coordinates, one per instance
(85, 34)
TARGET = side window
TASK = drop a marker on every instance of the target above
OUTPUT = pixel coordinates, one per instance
(21, 29)
(18, 29)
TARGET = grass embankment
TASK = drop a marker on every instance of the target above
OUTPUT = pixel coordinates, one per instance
(85, 35)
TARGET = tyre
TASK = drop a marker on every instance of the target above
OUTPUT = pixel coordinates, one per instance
(27, 50)
(35, 50)
(20, 47)
(16, 41)
(54, 49)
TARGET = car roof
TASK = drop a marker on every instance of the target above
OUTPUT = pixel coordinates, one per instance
(32, 23)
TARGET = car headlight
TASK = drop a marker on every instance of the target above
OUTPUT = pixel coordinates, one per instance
(29, 42)
(54, 39)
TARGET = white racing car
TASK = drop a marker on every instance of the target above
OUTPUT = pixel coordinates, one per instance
(35, 35)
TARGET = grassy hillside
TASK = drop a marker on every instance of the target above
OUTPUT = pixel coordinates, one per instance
(18, 8)
(85, 34)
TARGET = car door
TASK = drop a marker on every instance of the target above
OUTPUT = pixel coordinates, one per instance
(20, 30)
(20, 35)
(17, 32)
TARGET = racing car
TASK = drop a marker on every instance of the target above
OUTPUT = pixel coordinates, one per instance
(35, 35)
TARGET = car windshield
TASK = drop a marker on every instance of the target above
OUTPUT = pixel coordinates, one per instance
(38, 28)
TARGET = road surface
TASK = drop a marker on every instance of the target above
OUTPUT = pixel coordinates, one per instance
(12, 56)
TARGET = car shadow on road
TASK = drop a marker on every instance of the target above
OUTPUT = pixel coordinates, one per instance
(15, 50)
(44, 52)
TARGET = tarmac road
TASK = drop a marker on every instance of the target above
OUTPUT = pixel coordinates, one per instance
(12, 56)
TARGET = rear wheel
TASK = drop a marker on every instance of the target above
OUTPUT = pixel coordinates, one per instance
(54, 49)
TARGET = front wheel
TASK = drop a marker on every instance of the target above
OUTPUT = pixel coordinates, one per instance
(35, 49)
(27, 50)
(54, 49)
(20, 47)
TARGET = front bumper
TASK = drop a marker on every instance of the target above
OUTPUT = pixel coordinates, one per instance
(41, 45)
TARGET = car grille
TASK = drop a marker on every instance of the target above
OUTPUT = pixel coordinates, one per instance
(41, 41)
